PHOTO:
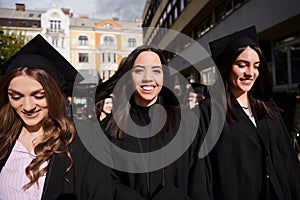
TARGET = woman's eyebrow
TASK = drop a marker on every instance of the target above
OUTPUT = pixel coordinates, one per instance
(139, 66)
(245, 61)
(20, 93)
(156, 66)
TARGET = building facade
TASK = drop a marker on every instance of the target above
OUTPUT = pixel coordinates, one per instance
(95, 47)
(205, 20)
(102, 44)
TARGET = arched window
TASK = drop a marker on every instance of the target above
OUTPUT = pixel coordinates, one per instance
(108, 40)
(131, 42)
(83, 40)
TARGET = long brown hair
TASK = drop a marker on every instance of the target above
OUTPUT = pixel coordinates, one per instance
(58, 130)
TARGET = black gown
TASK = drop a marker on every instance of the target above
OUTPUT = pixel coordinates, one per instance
(88, 178)
(187, 177)
(251, 162)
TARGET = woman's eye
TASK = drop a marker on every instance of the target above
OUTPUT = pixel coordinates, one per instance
(138, 71)
(241, 65)
(157, 71)
(15, 97)
(39, 96)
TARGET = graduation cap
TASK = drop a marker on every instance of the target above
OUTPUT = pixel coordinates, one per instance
(38, 53)
(221, 47)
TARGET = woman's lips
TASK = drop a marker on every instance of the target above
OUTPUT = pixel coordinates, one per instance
(247, 81)
(31, 114)
(148, 87)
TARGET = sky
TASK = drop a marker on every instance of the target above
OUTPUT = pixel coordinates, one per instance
(127, 10)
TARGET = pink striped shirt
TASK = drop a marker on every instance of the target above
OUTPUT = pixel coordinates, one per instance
(13, 177)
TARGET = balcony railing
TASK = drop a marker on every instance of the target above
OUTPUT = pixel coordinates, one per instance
(51, 30)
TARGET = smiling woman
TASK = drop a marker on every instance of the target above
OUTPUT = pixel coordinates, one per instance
(147, 78)
(254, 157)
(29, 102)
(140, 86)
(40, 155)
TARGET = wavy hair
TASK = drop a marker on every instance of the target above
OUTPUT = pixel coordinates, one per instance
(58, 130)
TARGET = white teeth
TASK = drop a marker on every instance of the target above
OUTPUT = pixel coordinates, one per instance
(148, 88)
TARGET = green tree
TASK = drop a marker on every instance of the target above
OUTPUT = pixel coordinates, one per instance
(10, 43)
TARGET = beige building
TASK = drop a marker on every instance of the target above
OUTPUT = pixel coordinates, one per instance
(93, 46)
(97, 46)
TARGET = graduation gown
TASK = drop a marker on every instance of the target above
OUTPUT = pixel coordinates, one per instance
(251, 162)
(185, 178)
(88, 178)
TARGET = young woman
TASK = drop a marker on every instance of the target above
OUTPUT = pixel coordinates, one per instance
(142, 84)
(254, 157)
(40, 154)
(103, 109)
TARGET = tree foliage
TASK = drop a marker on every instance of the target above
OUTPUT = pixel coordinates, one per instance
(10, 43)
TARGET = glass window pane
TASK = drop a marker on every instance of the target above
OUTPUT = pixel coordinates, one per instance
(281, 66)
(295, 62)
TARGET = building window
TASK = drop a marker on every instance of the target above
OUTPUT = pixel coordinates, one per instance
(287, 61)
(9, 22)
(55, 25)
(24, 23)
(131, 42)
(34, 25)
(83, 40)
(115, 58)
(108, 57)
(103, 57)
(83, 57)
(30, 15)
(181, 5)
(106, 74)
(108, 40)
(55, 42)
(227, 7)
(203, 27)
(175, 12)
(39, 15)
(295, 62)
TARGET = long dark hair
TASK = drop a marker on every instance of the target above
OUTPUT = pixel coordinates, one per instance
(260, 92)
(124, 89)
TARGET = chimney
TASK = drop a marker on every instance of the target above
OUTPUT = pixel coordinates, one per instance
(20, 7)
(115, 18)
(66, 11)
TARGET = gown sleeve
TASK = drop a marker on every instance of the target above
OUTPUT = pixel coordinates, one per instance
(122, 191)
(287, 165)
(92, 177)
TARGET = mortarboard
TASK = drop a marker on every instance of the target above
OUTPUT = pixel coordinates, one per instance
(221, 47)
(38, 53)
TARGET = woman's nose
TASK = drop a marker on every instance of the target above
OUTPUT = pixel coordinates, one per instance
(148, 75)
(250, 70)
(28, 104)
